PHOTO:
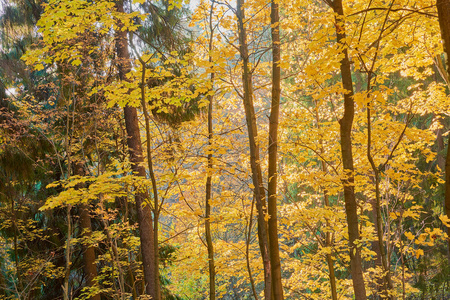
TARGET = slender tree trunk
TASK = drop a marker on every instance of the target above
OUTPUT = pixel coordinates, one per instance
(68, 255)
(114, 253)
(275, 264)
(157, 206)
(212, 272)
(247, 249)
(443, 8)
(66, 288)
(329, 243)
(376, 244)
(440, 149)
(328, 237)
(144, 212)
(330, 262)
(387, 282)
(387, 285)
(382, 260)
(90, 267)
(208, 187)
(346, 124)
(16, 248)
(250, 116)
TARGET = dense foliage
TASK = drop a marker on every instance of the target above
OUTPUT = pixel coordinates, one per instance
(152, 150)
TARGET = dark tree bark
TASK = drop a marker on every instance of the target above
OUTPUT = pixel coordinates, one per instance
(378, 246)
(346, 124)
(250, 116)
(277, 287)
(443, 8)
(211, 266)
(157, 205)
(328, 236)
(330, 262)
(90, 267)
(144, 212)
(208, 187)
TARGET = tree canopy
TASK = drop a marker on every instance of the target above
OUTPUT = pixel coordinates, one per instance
(224, 149)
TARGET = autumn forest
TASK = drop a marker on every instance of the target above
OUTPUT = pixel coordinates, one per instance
(224, 149)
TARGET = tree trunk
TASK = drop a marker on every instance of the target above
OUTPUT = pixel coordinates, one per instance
(68, 255)
(440, 160)
(208, 187)
(144, 212)
(346, 124)
(277, 287)
(443, 8)
(375, 244)
(330, 262)
(386, 283)
(250, 116)
(90, 267)
(212, 272)
(328, 236)
(247, 256)
(115, 257)
(157, 206)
